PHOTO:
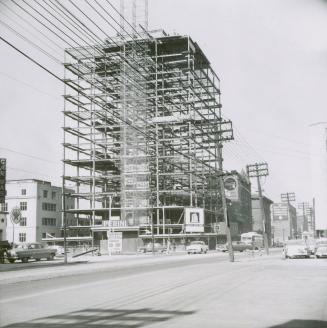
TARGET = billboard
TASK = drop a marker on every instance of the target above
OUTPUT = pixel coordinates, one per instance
(115, 242)
(2, 180)
(231, 187)
(279, 212)
(194, 219)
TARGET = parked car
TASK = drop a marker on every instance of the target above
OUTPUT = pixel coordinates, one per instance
(321, 251)
(292, 251)
(27, 251)
(197, 247)
(238, 246)
(157, 247)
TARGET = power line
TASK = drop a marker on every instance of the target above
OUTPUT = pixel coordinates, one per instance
(28, 155)
(28, 85)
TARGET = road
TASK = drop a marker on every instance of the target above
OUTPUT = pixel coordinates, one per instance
(184, 291)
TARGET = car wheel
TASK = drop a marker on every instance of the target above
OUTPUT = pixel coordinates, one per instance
(205, 252)
(25, 259)
(188, 253)
(37, 259)
(12, 260)
(50, 257)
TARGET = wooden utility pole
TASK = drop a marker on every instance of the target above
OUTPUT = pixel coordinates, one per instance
(303, 206)
(225, 133)
(314, 218)
(258, 170)
(287, 198)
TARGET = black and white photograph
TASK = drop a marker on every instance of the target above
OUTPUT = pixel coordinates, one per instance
(163, 163)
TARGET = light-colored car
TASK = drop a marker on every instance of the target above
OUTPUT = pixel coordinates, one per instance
(27, 251)
(197, 247)
(321, 251)
(157, 247)
(293, 251)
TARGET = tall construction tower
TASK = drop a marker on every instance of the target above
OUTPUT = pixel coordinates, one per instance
(142, 136)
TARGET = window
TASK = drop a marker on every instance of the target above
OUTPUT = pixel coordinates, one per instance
(23, 206)
(44, 235)
(4, 207)
(49, 222)
(49, 207)
(22, 222)
(23, 192)
(22, 237)
(45, 193)
(53, 195)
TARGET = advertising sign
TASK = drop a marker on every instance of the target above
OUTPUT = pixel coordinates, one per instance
(194, 219)
(115, 242)
(231, 188)
(2, 180)
(279, 212)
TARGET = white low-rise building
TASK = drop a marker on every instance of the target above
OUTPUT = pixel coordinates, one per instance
(41, 208)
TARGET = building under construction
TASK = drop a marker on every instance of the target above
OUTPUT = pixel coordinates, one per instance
(142, 136)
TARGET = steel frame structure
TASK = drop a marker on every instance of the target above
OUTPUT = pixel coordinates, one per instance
(143, 133)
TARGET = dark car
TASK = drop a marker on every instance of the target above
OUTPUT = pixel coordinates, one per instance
(238, 246)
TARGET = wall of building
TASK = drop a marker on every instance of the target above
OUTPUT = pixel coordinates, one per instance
(256, 215)
(239, 205)
(16, 197)
(42, 216)
(284, 222)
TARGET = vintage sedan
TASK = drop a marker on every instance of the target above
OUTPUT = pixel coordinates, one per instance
(293, 251)
(27, 251)
(321, 251)
(238, 246)
(157, 247)
(197, 247)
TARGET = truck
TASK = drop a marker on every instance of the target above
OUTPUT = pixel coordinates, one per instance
(27, 251)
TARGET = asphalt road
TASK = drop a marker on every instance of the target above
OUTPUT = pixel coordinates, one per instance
(184, 291)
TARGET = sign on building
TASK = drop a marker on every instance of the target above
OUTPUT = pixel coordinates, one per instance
(231, 188)
(115, 242)
(2, 180)
(194, 219)
(279, 212)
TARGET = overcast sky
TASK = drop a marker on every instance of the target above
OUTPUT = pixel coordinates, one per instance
(271, 57)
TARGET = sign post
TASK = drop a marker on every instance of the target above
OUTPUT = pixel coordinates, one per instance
(15, 217)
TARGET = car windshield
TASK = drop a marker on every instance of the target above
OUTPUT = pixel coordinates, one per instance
(197, 243)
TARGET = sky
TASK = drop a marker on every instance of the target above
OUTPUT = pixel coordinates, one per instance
(270, 55)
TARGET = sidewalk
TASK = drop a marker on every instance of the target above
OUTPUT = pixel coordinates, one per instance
(19, 272)
(23, 272)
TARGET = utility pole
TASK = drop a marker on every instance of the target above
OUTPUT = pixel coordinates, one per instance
(287, 198)
(314, 217)
(258, 170)
(303, 206)
(225, 133)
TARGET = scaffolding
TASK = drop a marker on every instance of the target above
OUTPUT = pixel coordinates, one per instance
(142, 134)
